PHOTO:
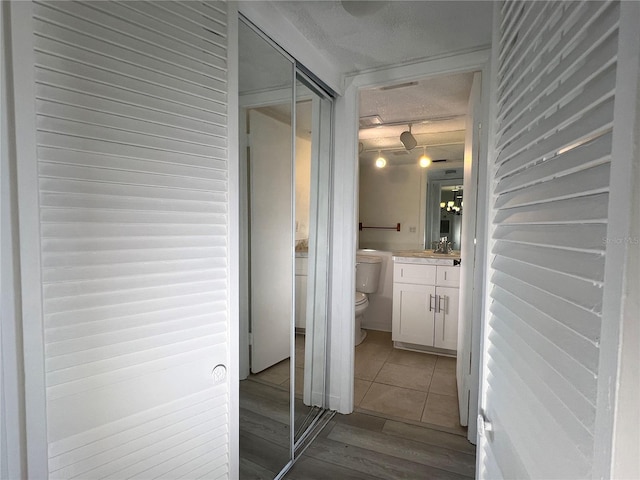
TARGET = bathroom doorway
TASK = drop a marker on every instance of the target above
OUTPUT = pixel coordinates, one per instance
(442, 115)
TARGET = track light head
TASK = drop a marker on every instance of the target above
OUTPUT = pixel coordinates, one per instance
(408, 140)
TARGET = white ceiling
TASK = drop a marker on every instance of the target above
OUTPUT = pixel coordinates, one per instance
(377, 33)
(437, 109)
(363, 35)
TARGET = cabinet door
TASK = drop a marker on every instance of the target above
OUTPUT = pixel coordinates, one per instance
(446, 318)
(412, 315)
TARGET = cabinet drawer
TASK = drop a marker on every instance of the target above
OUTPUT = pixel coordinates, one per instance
(416, 274)
(448, 276)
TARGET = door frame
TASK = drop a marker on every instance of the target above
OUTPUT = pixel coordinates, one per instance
(346, 206)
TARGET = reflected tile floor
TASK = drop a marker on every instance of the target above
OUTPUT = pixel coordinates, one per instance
(406, 385)
(397, 384)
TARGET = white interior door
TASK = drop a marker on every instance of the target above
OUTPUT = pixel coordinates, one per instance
(555, 88)
(271, 240)
(123, 191)
(469, 308)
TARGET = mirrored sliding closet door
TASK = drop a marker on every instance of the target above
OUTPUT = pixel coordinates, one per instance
(286, 144)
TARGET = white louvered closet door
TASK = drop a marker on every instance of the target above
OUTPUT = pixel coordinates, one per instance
(125, 203)
(555, 87)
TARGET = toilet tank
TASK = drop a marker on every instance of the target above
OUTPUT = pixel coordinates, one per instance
(367, 273)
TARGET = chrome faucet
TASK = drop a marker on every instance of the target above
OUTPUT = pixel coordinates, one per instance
(443, 246)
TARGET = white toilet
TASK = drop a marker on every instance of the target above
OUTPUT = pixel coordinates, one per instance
(367, 278)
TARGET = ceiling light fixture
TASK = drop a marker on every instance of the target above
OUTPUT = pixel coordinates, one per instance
(424, 161)
(381, 162)
(408, 140)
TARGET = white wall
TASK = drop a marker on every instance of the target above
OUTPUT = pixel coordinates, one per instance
(391, 195)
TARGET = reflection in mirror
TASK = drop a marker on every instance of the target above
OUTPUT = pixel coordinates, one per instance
(286, 173)
(451, 214)
(443, 219)
(266, 304)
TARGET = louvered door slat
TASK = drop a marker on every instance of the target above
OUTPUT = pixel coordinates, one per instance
(576, 236)
(536, 422)
(212, 36)
(148, 33)
(582, 157)
(570, 30)
(590, 181)
(515, 123)
(138, 126)
(538, 387)
(583, 321)
(528, 29)
(581, 348)
(512, 78)
(141, 113)
(133, 202)
(556, 79)
(153, 66)
(580, 264)
(587, 103)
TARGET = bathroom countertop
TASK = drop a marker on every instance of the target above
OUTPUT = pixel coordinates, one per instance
(427, 257)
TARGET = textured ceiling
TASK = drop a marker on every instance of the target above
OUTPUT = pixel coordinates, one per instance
(437, 108)
(380, 33)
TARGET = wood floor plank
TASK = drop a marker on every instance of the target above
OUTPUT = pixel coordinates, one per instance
(272, 408)
(308, 468)
(259, 389)
(428, 436)
(264, 427)
(263, 453)
(441, 458)
(253, 471)
(360, 420)
(374, 464)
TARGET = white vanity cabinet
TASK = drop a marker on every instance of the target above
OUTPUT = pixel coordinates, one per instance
(425, 305)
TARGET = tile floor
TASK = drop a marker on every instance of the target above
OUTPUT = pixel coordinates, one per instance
(407, 385)
(394, 383)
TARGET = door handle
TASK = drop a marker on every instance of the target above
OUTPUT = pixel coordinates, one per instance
(432, 297)
(440, 299)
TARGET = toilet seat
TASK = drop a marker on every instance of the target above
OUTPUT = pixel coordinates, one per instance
(360, 298)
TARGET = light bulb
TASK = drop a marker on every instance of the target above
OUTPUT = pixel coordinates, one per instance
(424, 161)
(450, 204)
(442, 204)
(381, 162)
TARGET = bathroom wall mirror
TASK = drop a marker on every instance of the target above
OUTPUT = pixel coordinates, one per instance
(285, 125)
(444, 220)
